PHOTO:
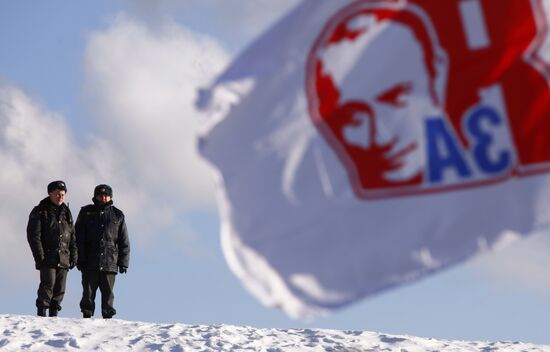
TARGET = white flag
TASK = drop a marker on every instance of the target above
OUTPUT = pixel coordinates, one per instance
(361, 145)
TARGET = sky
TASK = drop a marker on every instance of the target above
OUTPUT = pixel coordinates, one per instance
(105, 92)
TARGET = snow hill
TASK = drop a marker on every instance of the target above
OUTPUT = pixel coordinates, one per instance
(26, 333)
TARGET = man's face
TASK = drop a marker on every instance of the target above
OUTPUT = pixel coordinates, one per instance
(57, 197)
(384, 98)
(103, 198)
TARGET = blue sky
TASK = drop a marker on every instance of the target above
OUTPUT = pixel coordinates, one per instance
(103, 91)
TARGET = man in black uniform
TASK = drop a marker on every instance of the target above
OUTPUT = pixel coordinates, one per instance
(51, 236)
(103, 249)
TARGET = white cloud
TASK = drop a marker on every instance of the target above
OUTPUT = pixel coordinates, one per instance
(143, 85)
(233, 22)
(526, 263)
(35, 149)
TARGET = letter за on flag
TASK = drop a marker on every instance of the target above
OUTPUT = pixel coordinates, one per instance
(361, 145)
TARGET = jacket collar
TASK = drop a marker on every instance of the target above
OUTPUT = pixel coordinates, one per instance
(46, 202)
(47, 205)
(100, 205)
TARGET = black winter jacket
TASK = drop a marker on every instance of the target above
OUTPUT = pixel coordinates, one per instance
(51, 235)
(102, 238)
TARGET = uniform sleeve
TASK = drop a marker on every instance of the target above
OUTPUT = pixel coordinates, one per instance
(34, 232)
(123, 244)
(72, 245)
(80, 237)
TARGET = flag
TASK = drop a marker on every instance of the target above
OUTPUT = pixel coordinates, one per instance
(362, 145)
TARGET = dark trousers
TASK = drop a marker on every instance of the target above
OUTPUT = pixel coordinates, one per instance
(52, 287)
(91, 280)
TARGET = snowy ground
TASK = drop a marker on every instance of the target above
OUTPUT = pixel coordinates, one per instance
(26, 333)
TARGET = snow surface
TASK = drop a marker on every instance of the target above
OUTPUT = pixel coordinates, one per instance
(27, 333)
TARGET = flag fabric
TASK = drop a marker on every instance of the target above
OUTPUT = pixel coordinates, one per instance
(361, 145)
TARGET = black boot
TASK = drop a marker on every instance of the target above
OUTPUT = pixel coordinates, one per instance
(86, 315)
(41, 312)
(54, 309)
(108, 313)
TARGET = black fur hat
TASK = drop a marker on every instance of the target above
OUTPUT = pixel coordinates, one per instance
(103, 189)
(52, 186)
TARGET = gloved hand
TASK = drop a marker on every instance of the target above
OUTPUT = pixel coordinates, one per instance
(38, 264)
(122, 269)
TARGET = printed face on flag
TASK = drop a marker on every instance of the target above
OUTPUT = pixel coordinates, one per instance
(360, 145)
(378, 79)
(384, 99)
